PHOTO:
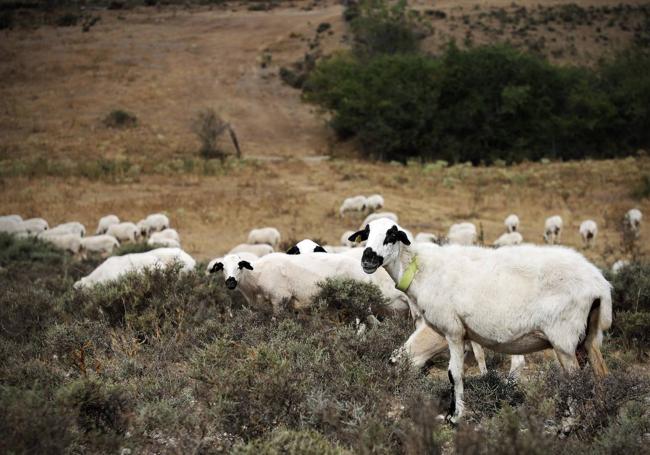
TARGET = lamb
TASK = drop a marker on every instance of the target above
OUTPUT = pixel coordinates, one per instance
(509, 239)
(153, 223)
(306, 246)
(116, 266)
(512, 223)
(124, 232)
(588, 232)
(259, 250)
(66, 242)
(278, 279)
(163, 242)
(514, 300)
(268, 235)
(374, 202)
(249, 257)
(102, 244)
(377, 216)
(462, 234)
(632, 221)
(353, 204)
(426, 237)
(105, 222)
(553, 229)
(35, 226)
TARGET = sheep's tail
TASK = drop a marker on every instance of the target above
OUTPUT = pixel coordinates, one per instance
(599, 319)
(605, 310)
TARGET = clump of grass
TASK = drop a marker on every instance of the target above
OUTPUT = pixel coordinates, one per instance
(119, 118)
(129, 248)
(350, 300)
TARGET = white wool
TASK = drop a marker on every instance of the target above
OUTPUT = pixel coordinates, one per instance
(153, 223)
(426, 237)
(306, 246)
(105, 222)
(374, 202)
(353, 204)
(258, 250)
(588, 232)
(35, 226)
(512, 223)
(378, 216)
(268, 235)
(462, 234)
(244, 256)
(509, 239)
(163, 241)
(553, 229)
(124, 232)
(66, 242)
(103, 244)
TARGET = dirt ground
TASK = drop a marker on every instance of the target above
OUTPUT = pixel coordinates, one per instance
(163, 65)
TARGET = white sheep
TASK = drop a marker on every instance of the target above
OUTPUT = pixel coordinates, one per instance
(588, 232)
(619, 265)
(162, 241)
(169, 233)
(153, 223)
(268, 235)
(66, 242)
(35, 226)
(124, 231)
(632, 221)
(514, 300)
(424, 237)
(105, 222)
(306, 246)
(509, 239)
(102, 244)
(553, 229)
(73, 227)
(258, 250)
(353, 204)
(374, 202)
(462, 234)
(336, 248)
(249, 257)
(11, 226)
(174, 255)
(278, 279)
(344, 239)
(511, 223)
(116, 266)
(14, 218)
(378, 216)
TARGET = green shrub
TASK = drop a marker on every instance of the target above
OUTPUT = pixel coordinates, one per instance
(130, 248)
(120, 119)
(67, 20)
(631, 288)
(350, 299)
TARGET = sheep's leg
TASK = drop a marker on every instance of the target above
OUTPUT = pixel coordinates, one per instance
(569, 362)
(455, 372)
(517, 363)
(592, 345)
(423, 344)
(479, 355)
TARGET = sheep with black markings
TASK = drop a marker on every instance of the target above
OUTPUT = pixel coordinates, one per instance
(306, 246)
(553, 229)
(249, 257)
(588, 232)
(514, 300)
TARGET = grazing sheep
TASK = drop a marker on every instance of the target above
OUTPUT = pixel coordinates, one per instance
(258, 250)
(105, 222)
(268, 235)
(278, 279)
(169, 233)
(344, 239)
(66, 242)
(35, 226)
(14, 218)
(249, 257)
(425, 237)
(11, 226)
(462, 234)
(124, 232)
(619, 265)
(514, 300)
(153, 223)
(378, 216)
(588, 232)
(73, 227)
(306, 246)
(116, 266)
(553, 229)
(632, 221)
(102, 244)
(174, 255)
(353, 204)
(512, 223)
(509, 239)
(374, 202)
(162, 241)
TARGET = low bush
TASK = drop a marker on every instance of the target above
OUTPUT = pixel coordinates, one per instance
(349, 300)
(120, 119)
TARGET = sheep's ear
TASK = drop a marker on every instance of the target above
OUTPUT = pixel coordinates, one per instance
(319, 249)
(360, 236)
(217, 267)
(245, 265)
(293, 250)
(402, 237)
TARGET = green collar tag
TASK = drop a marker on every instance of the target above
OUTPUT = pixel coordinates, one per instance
(408, 275)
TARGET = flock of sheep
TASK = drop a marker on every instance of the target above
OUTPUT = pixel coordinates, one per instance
(515, 298)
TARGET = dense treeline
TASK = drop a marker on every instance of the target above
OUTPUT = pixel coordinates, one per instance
(480, 104)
